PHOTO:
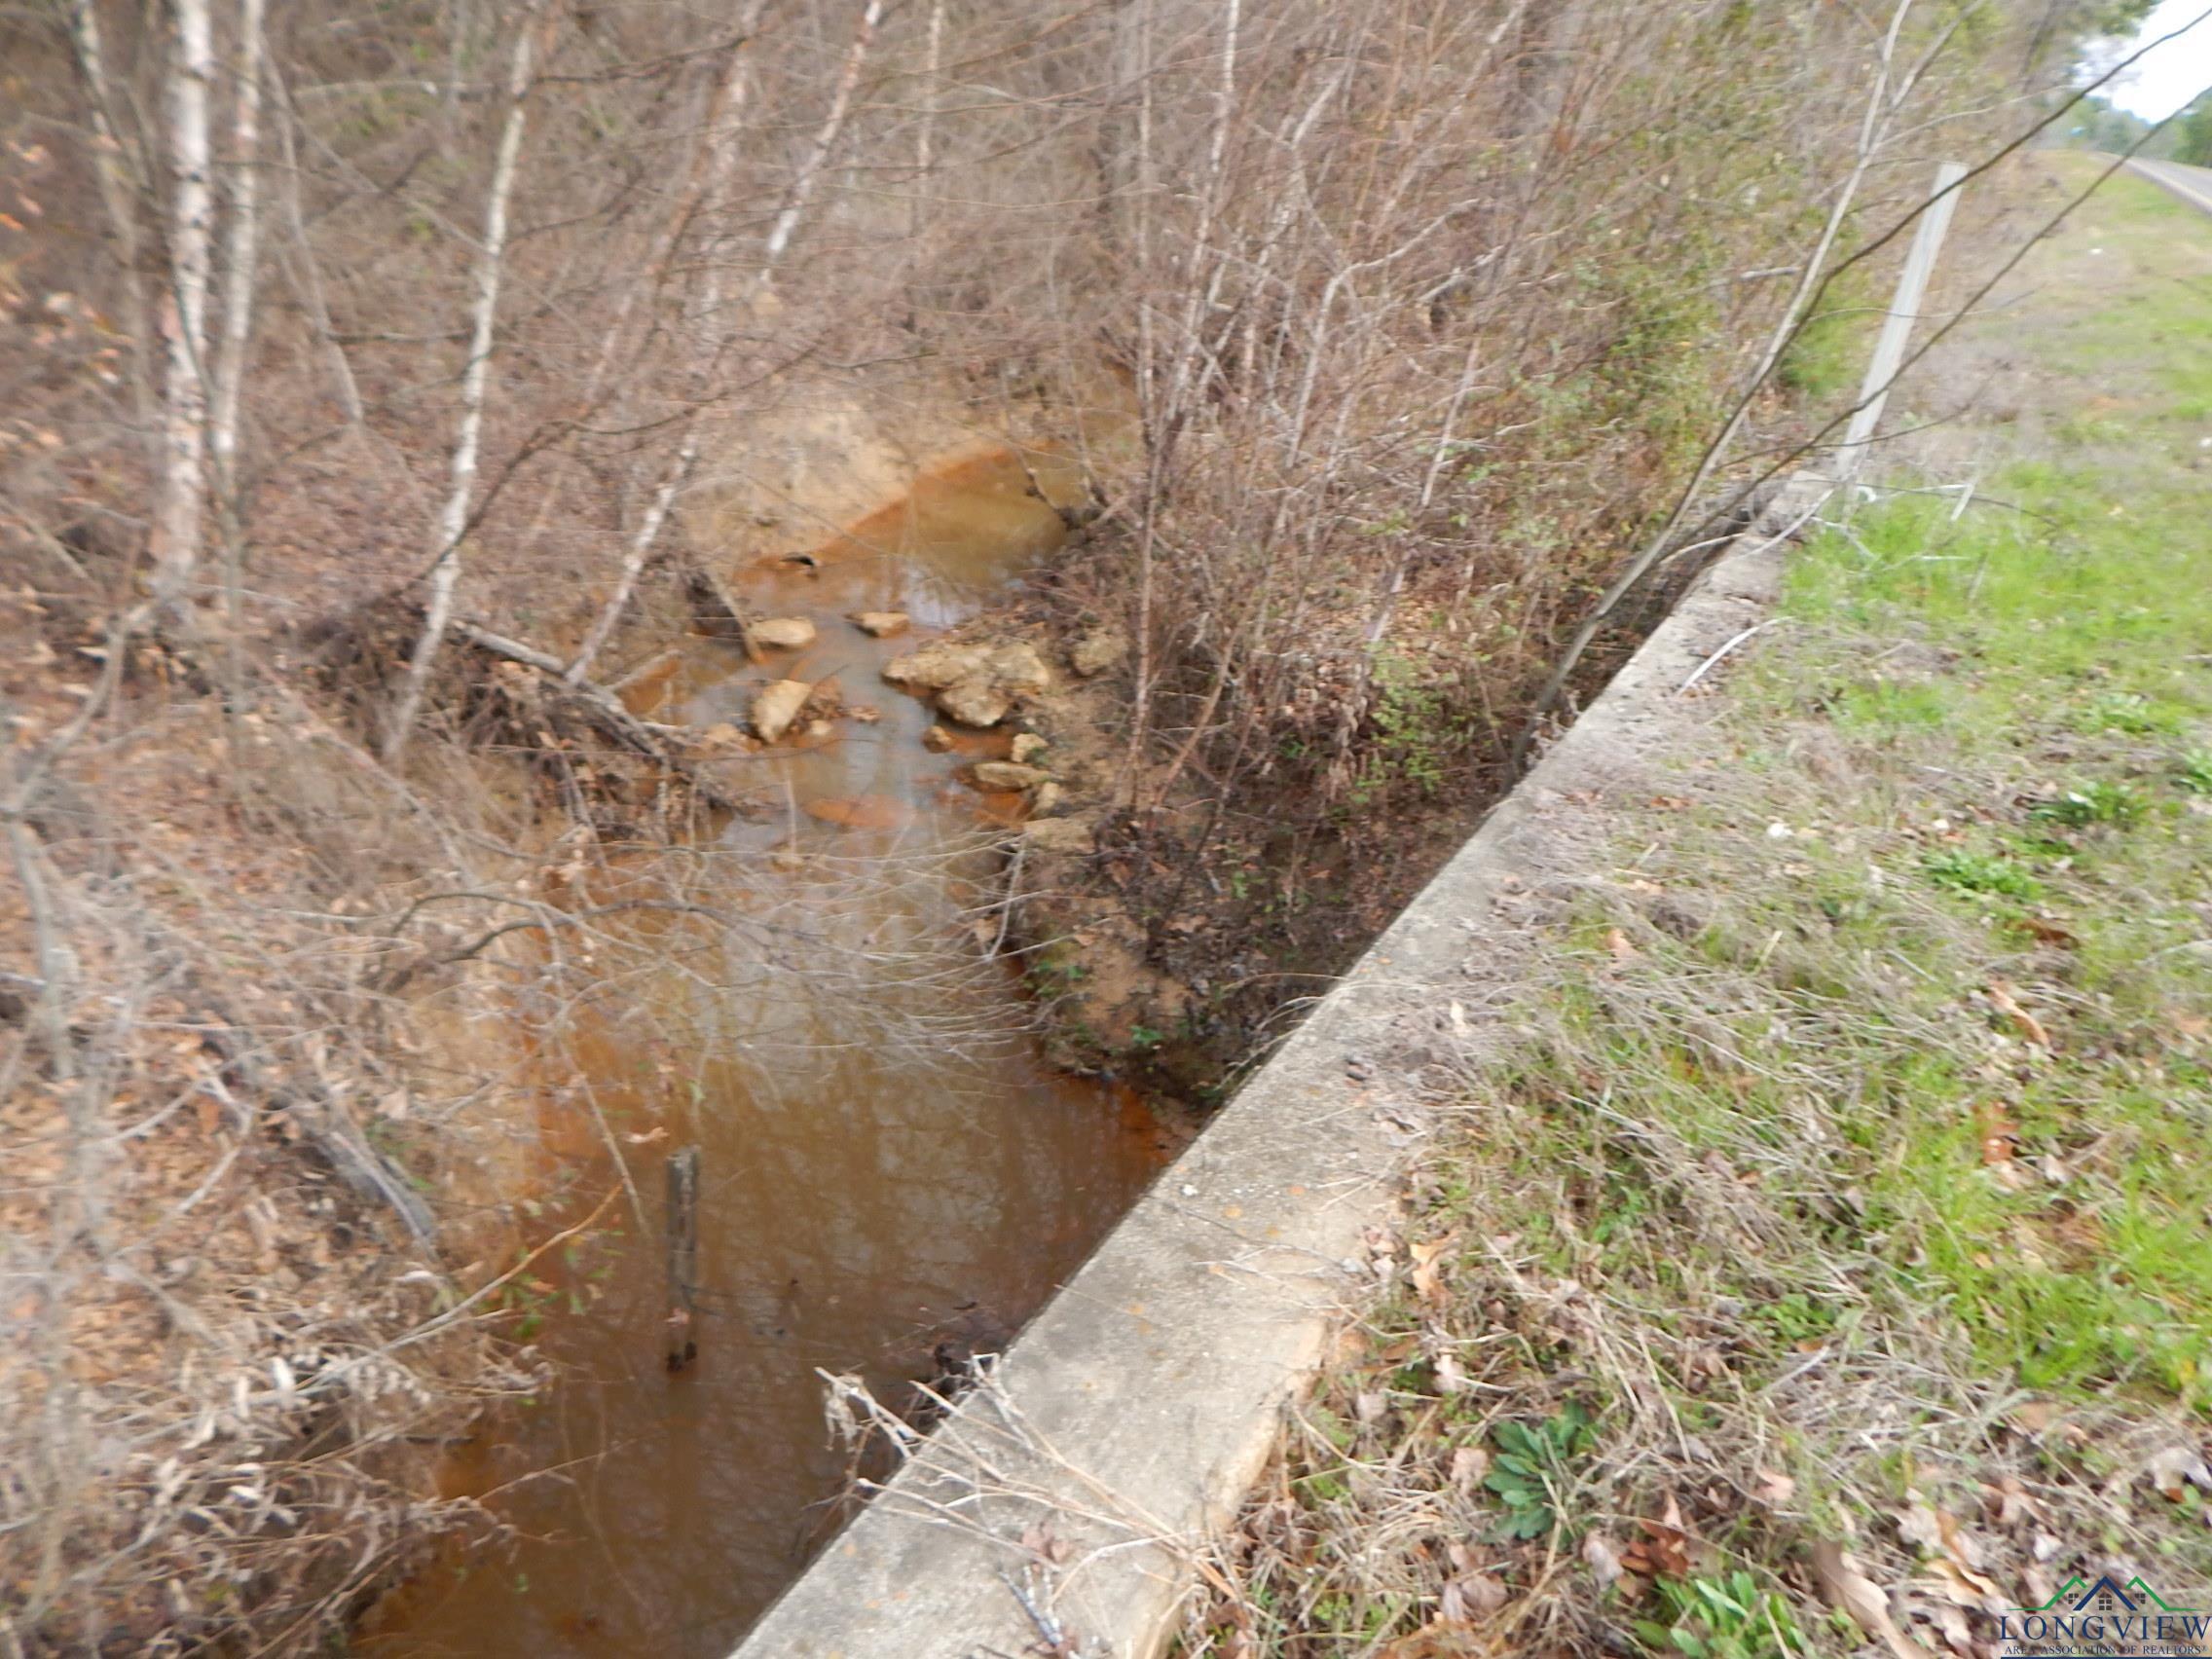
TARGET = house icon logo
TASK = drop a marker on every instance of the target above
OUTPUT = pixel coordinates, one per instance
(2106, 1620)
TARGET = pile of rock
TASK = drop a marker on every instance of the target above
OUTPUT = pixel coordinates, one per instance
(977, 686)
(1027, 770)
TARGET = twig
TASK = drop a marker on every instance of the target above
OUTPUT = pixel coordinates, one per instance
(1705, 666)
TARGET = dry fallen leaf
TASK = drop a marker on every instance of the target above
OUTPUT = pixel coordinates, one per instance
(2009, 1503)
(1919, 1526)
(2173, 1466)
(1041, 1540)
(1961, 1545)
(1774, 1489)
(1471, 1596)
(1603, 1558)
(1617, 942)
(1846, 1587)
(2002, 999)
(1427, 1277)
(1955, 1583)
(2000, 1135)
(1664, 1550)
(1958, 1634)
(1439, 1638)
(1469, 1464)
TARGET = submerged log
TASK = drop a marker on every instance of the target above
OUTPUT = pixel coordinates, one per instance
(726, 614)
(683, 1229)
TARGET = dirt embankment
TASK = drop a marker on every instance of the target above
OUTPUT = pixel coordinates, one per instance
(1171, 923)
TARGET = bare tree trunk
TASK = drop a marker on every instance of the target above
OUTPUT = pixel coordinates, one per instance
(720, 165)
(121, 186)
(683, 1236)
(711, 181)
(924, 157)
(240, 250)
(640, 550)
(1198, 278)
(182, 492)
(445, 570)
(1882, 101)
(841, 102)
(308, 276)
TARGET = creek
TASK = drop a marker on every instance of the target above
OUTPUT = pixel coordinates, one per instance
(885, 1158)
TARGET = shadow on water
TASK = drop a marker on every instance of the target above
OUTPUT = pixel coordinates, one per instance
(884, 1156)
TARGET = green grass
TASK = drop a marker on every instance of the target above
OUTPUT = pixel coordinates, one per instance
(1828, 357)
(1913, 1127)
(2081, 609)
(1733, 1617)
(2054, 701)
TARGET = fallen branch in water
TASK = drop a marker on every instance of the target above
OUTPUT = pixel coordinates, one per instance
(603, 708)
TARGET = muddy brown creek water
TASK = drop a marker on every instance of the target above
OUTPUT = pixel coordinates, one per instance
(883, 1153)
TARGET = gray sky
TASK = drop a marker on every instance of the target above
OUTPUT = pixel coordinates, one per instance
(2169, 77)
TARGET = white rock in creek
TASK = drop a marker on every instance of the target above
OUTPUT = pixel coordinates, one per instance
(777, 706)
(880, 624)
(1027, 748)
(937, 740)
(784, 633)
(975, 701)
(933, 668)
(1006, 775)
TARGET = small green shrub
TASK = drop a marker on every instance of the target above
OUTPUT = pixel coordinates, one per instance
(2126, 712)
(1967, 871)
(1415, 734)
(2097, 802)
(1530, 1475)
(1729, 1617)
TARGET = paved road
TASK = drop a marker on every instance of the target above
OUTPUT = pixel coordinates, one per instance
(2191, 184)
